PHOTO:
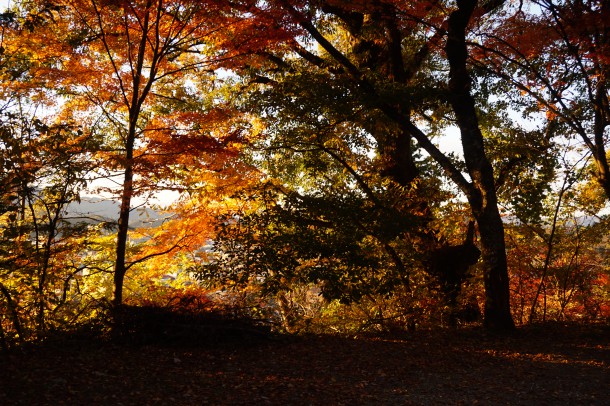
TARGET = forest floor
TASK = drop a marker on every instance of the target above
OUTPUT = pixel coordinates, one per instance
(540, 365)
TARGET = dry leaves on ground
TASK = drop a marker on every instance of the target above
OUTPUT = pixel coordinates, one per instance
(552, 365)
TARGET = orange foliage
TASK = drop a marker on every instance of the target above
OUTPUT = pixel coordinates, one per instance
(573, 287)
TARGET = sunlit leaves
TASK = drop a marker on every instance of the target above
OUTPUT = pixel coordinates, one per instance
(43, 169)
(572, 286)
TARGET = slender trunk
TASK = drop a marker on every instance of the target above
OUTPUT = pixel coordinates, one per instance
(41, 263)
(3, 342)
(120, 267)
(549, 251)
(286, 313)
(544, 305)
(46, 262)
(135, 107)
(482, 197)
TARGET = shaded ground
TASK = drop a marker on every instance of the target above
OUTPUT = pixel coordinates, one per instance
(554, 365)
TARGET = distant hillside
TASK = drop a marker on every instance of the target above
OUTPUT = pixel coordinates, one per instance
(95, 209)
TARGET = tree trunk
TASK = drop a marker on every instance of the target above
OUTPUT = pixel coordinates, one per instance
(137, 97)
(481, 192)
(482, 197)
(120, 267)
(600, 122)
(493, 252)
(14, 312)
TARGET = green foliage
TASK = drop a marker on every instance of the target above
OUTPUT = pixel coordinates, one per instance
(334, 213)
(340, 243)
(525, 157)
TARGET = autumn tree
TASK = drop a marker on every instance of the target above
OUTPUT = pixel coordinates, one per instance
(556, 54)
(43, 170)
(388, 59)
(141, 78)
(120, 63)
(558, 266)
(324, 148)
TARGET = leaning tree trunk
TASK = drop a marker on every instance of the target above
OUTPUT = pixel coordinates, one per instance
(482, 197)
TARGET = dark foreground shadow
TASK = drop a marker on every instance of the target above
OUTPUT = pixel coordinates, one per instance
(552, 365)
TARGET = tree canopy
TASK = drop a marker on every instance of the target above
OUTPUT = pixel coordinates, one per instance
(388, 162)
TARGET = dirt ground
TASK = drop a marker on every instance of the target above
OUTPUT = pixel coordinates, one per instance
(543, 365)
